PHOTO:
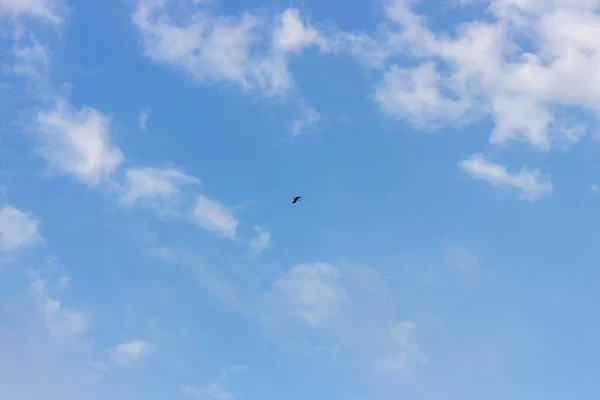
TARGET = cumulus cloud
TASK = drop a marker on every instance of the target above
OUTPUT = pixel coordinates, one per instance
(211, 49)
(215, 217)
(17, 229)
(247, 51)
(131, 352)
(415, 94)
(532, 185)
(487, 70)
(480, 70)
(292, 34)
(78, 143)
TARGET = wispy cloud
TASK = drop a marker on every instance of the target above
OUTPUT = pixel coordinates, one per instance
(148, 183)
(143, 118)
(261, 241)
(50, 341)
(17, 229)
(530, 182)
(64, 323)
(464, 260)
(213, 391)
(308, 119)
(51, 11)
(131, 352)
(312, 292)
(215, 217)
(406, 356)
(319, 300)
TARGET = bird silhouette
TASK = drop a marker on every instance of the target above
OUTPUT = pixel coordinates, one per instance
(296, 199)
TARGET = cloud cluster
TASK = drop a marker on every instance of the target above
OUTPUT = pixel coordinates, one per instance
(514, 67)
(78, 142)
(349, 309)
(483, 68)
(246, 51)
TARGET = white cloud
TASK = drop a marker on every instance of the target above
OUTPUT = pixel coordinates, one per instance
(310, 116)
(414, 94)
(143, 117)
(152, 183)
(212, 49)
(312, 292)
(30, 61)
(17, 229)
(78, 143)
(45, 342)
(488, 71)
(47, 10)
(407, 356)
(248, 51)
(232, 371)
(131, 352)
(62, 322)
(480, 70)
(464, 260)
(214, 391)
(293, 35)
(260, 242)
(212, 215)
(344, 311)
(25, 24)
(530, 182)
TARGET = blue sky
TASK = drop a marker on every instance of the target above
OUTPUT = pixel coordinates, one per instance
(445, 245)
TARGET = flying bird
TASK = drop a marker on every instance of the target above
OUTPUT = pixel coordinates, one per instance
(296, 199)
